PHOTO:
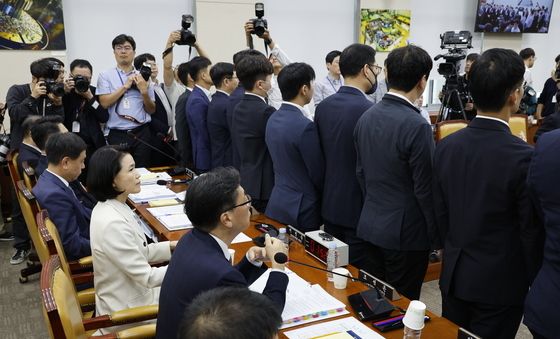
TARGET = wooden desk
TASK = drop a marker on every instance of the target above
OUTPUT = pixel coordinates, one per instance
(438, 327)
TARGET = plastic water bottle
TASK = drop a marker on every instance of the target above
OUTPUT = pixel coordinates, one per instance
(283, 236)
(332, 260)
(411, 334)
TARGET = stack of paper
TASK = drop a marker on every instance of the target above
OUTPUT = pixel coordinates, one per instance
(172, 217)
(305, 303)
(349, 327)
(152, 192)
(150, 178)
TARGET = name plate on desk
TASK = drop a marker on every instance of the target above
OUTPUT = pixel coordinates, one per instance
(296, 234)
(388, 291)
(464, 334)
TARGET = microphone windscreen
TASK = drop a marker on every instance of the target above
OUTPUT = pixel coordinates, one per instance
(281, 258)
(162, 182)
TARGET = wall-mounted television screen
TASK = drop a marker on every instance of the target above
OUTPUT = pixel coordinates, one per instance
(513, 16)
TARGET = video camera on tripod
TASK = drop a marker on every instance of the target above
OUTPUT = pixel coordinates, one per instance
(455, 90)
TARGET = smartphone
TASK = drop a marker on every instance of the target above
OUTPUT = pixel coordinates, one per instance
(392, 323)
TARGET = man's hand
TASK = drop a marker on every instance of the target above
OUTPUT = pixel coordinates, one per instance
(469, 106)
(248, 28)
(141, 83)
(173, 38)
(38, 89)
(172, 245)
(87, 94)
(256, 253)
(273, 246)
(129, 81)
(69, 85)
(57, 101)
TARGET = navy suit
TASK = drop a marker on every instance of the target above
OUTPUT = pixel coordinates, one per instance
(218, 130)
(197, 114)
(68, 214)
(293, 143)
(541, 305)
(184, 143)
(30, 155)
(234, 99)
(492, 240)
(198, 264)
(247, 135)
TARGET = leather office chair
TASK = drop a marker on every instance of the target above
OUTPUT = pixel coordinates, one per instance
(448, 127)
(518, 125)
(62, 310)
(30, 208)
(28, 175)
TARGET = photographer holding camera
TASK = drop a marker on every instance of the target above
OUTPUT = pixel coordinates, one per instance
(82, 112)
(546, 103)
(470, 110)
(130, 99)
(42, 96)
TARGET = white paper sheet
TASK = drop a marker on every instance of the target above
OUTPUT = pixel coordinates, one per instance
(166, 210)
(152, 192)
(241, 237)
(349, 324)
(175, 222)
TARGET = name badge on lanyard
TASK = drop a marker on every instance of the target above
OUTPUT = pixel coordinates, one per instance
(76, 126)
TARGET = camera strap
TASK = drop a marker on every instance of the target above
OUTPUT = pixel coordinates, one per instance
(167, 51)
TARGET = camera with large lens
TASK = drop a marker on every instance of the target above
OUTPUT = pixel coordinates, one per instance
(81, 83)
(259, 24)
(187, 37)
(4, 147)
(54, 87)
(145, 71)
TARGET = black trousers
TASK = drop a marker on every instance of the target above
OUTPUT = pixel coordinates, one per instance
(139, 151)
(357, 251)
(484, 320)
(22, 241)
(537, 335)
(404, 270)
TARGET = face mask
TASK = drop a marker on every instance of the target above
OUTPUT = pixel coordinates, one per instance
(373, 86)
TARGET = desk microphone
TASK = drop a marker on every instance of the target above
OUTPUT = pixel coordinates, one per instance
(165, 140)
(368, 305)
(172, 182)
(135, 137)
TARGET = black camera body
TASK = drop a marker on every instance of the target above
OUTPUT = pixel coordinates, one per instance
(260, 25)
(145, 71)
(187, 37)
(4, 147)
(54, 87)
(81, 83)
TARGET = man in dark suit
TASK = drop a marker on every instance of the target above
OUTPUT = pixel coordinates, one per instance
(336, 117)
(293, 143)
(248, 128)
(219, 210)
(394, 146)
(184, 143)
(197, 113)
(224, 78)
(540, 313)
(492, 248)
(40, 133)
(66, 153)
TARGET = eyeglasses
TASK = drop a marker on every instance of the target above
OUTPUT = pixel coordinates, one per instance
(248, 202)
(375, 69)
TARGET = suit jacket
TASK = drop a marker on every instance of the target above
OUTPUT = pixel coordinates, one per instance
(198, 265)
(247, 135)
(123, 276)
(544, 296)
(234, 99)
(182, 128)
(491, 239)
(293, 143)
(197, 115)
(68, 214)
(218, 130)
(29, 154)
(336, 117)
(76, 108)
(394, 146)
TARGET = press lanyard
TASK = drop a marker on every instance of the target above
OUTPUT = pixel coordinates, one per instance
(330, 82)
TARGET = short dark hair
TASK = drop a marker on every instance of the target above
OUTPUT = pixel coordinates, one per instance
(292, 78)
(196, 65)
(46, 68)
(354, 57)
(472, 57)
(123, 38)
(60, 145)
(142, 58)
(183, 73)
(406, 66)
(253, 68)
(526, 53)
(557, 59)
(104, 165)
(237, 57)
(494, 75)
(209, 315)
(331, 56)
(210, 195)
(28, 122)
(41, 131)
(81, 63)
(220, 71)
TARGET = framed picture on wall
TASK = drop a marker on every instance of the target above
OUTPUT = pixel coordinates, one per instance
(384, 29)
(32, 25)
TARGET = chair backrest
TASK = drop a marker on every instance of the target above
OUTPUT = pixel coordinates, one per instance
(518, 125)
(446, 128)
(59, 302)
(29, 209)
(29, 176)
(13, 167)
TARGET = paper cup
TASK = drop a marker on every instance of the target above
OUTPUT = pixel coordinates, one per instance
(339, 281)
(414, 317)
(231, 255)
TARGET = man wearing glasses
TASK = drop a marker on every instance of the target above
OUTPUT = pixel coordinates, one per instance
(130, 100)
(219, 210)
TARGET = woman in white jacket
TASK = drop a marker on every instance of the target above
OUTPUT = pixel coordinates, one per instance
(123, 276)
